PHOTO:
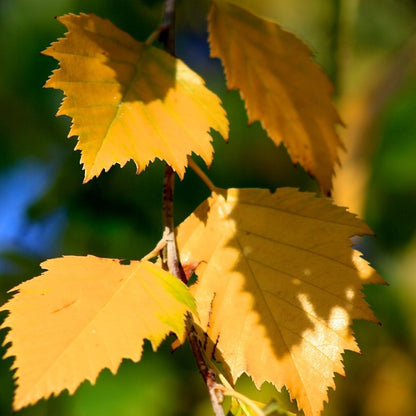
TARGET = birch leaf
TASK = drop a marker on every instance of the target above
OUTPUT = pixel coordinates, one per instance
(85, 314)
(277, 288)
(128, 100)
(282, 86)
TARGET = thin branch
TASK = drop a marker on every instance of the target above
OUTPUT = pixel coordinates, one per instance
(208, 374)
(171, 262)
(167, 29)
(169, 254)
(170, 257)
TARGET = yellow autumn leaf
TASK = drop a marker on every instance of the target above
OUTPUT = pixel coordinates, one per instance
(85, 314)
(129, 100)
(277, 288)
(282, 86)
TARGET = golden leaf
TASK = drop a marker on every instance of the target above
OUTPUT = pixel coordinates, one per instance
(129, 100)
(85, 314)
(277, 288)
(282, 86)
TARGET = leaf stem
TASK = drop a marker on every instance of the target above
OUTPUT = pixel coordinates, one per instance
(157, 250)
(201, 174)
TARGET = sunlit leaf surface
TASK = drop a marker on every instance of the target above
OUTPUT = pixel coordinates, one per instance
(281, 85)
(84, 314)
(277, 287)
(128, 100)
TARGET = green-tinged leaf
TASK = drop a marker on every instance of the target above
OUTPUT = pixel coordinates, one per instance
(84, 314)
(276, 409)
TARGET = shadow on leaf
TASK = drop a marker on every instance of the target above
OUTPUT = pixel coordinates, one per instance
(278, 289)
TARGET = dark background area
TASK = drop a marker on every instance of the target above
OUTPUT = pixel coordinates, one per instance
(368, 49)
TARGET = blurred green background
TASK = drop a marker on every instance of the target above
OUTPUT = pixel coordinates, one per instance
(368, 49)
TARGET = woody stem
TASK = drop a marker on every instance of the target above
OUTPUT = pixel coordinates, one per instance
(170, 255)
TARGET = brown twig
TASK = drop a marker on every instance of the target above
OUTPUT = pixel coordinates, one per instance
(170, 255)
(167, 28)
(207, 373)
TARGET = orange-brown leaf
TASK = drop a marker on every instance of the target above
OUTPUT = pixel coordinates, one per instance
(282, 86)
(85, 314)
(129, 100)
(277, 288)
